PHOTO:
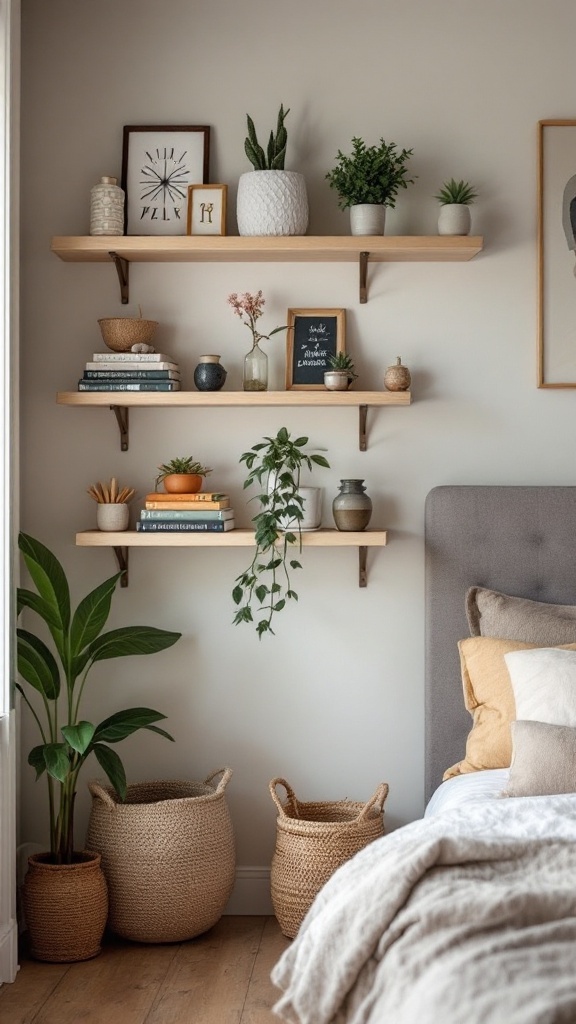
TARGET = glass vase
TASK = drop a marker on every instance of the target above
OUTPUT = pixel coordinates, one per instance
(255, 376)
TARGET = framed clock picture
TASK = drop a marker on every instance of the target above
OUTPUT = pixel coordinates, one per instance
(158, 164)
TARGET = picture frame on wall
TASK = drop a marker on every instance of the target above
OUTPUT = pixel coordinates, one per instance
(206, 210)
(313, 336)
(159, 162)
(556, 253)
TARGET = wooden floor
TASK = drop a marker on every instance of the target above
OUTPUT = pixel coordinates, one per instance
(222, 977)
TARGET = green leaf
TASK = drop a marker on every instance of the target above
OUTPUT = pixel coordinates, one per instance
(124, 723)
(237, 594)
(261, 592)
(91, 615)
(130, 640)
(49, 579)
(28, 599)
(79, 736)
(57, 759)
(108, 760)
(37, 760)
(37, 665)
(278, 606)
(319, 460)
(294, 564)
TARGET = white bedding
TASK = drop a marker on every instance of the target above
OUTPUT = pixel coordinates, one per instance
(462, 790)
(465, 917)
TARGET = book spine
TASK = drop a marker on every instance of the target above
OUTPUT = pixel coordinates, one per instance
(178, 514)
(123, 357)
(196, 496)
(188, 506)
(161, 526)
(131, 375)
(133, 364)
(159, 385)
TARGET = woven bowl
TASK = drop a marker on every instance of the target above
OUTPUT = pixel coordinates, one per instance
(121, 332)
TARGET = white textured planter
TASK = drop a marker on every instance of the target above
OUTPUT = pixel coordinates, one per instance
(272, 203)
(112, 516)
(311, 510)
(367, 219)
(454, 219)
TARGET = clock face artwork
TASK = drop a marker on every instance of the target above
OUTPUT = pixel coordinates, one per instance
(164, 179)
(160, 164)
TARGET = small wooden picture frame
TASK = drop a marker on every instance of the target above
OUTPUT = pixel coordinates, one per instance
(206, 210)
(313, 336)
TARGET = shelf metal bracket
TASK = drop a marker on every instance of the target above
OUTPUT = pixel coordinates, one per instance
(363, 267)
(122, 559)
(362, 417)
(123, 270)
(362, 557)
(121, 414)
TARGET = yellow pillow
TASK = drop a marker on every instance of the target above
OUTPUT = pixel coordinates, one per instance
(489, 698)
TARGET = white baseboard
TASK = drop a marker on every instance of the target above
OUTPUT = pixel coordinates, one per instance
(9, 952)
(251, 893)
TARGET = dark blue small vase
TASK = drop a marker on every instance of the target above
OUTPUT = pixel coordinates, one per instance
(209, 375)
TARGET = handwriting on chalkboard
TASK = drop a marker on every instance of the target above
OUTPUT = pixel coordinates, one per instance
(314, 336)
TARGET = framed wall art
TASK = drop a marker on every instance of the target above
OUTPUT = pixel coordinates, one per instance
(313, 336)
(206, 210)
(159, 162)
(557, 254)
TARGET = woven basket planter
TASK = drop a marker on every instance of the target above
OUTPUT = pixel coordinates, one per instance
(312, 840)
(167, 854)
(65, 906)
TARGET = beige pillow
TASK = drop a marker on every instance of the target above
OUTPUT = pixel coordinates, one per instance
(543, 759)
(544, 684)
(491, 613)
(489, 697)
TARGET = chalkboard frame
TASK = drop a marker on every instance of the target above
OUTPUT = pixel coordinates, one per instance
(294, 380)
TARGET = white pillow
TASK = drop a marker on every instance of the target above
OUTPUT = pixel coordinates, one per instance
(544, 684)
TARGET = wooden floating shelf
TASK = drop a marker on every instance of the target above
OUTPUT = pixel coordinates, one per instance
(121, 542)
(361, 249)
(121, 401)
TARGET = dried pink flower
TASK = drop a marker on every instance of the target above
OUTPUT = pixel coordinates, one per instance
(249, 308)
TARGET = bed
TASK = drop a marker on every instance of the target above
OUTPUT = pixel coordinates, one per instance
(469, 915)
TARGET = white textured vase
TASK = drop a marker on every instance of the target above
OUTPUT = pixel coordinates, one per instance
(367, 219)
(272, 203)
(454, 219)
(112, 516)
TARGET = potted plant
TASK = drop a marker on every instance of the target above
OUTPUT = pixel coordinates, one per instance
(277, 463)
(182, 476)
(64, 886)
(250, 308)
(455, 198)
(341, 373)
(368, 180)
(112, 512)
(270, 200)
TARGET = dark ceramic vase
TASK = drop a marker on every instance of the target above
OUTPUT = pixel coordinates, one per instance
(352, 508)
(209, 375)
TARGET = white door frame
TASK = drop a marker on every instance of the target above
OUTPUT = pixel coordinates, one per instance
(9, 288)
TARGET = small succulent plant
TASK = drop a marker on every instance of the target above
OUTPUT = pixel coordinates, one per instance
(461, 192)
(273, 159)
(186, 464)
(111, 494)
(342, 361)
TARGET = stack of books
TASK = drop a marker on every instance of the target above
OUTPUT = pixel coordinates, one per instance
(130, 371)
(205, 512)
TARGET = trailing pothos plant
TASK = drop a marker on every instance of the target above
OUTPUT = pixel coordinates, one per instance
(276, 464)
(59, 680)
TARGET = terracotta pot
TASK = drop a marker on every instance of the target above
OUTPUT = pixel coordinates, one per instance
(183, 483)
(66, 906)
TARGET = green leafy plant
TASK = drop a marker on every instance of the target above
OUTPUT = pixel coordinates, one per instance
(275, 462)
(187, 464)
(273, 158)
(370, 174)
(452, 191)
(59, 680)
(343, 362)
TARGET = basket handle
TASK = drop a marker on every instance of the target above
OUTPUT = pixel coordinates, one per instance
(99, 793)
(377, 800)
(290, 794)
(226, 776)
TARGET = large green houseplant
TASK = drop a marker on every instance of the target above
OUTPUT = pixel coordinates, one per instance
(370, 176)
(59, 679)
(275, 463)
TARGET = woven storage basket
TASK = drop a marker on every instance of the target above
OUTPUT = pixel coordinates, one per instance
(312, 840)
(167, 854)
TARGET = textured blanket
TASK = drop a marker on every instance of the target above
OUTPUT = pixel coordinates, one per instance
(464, 918)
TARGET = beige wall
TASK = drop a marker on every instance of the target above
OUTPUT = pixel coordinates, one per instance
(335, 701)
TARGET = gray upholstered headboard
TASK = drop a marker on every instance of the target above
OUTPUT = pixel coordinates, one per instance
(519, 540)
